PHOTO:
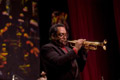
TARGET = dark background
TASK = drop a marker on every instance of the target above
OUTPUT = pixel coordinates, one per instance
(105, 9)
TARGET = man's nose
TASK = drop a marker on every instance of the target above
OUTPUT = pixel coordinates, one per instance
(65, 37)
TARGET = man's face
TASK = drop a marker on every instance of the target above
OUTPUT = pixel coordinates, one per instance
(61, 37)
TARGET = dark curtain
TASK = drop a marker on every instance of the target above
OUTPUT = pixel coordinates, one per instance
(116, 6)
(117, 18)
(94, 20)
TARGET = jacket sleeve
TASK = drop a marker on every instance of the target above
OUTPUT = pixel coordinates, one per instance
(81, 59)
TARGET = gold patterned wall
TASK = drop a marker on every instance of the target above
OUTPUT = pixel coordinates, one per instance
(19, 39)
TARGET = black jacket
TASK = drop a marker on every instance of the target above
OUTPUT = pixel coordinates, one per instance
(61, 66)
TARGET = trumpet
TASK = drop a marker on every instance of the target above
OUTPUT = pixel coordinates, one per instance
(90, 45)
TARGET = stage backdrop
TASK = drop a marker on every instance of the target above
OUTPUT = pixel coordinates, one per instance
(19, 40)
(116, 8)
(94, 20)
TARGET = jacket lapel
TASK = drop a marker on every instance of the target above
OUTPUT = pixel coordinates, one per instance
(58, 49)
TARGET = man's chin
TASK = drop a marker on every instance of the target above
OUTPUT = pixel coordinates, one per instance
(64, 43)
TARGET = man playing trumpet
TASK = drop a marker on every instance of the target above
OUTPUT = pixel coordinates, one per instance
(59, 61)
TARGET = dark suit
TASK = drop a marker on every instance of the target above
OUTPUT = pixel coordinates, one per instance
(61, 66)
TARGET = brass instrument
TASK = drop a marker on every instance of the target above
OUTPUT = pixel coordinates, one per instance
(43, 76)
(90, 45)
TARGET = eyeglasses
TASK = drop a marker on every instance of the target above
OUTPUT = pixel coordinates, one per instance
(62, 35)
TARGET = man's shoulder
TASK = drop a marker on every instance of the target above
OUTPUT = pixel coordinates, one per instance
(48, 45)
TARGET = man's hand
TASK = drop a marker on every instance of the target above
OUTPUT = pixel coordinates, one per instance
(79, 44)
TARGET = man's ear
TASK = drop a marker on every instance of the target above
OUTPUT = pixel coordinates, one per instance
(52, 37)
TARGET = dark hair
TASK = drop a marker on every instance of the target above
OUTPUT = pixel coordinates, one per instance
(53, 29)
